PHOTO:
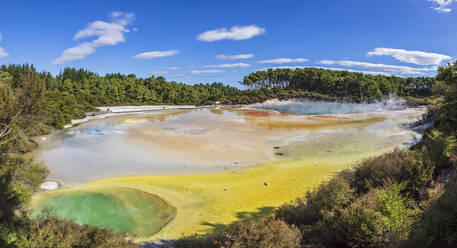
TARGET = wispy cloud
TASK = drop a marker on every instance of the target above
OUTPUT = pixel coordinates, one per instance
(160, 72)
(166, 71)
(235, 33)
(382, 67)
(107, 33)
(442, 6)
(234, 57)
(413, 57)
(204, 71)
(3, 53)
(283, 61)
(195, 72)
(227, 65)
(327, 68)
(156, 54)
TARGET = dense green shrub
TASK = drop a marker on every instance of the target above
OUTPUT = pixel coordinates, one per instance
(446, 117)
(19, 177)
(61, 108)
(262, 233)
(356, 226)
(333, 195)
(197, 241)
(372, 220)
(410, 168)
(54, 232)
(437, 227)
(395, 207)
(441, 148)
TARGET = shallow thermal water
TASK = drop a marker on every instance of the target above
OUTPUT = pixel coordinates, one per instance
(208, 140)
(123, 210)
(170, 152)
(307, 107)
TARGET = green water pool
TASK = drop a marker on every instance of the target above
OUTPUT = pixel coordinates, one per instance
(122, 210)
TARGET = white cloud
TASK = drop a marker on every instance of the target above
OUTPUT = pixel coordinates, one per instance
(233, 57)
(327, 68)
(156, 54)
(442, 6)
(235, 33)
(107, 33)
(160, 72)
(74, 53)
(413, 57)
(204, 71)
(122, 18)
(195, 72)
(173, 68)
(3, 53)
(383, 67)
(226, 65)
(282, 61)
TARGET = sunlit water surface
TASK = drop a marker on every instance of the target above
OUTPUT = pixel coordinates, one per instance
(192, 142)
(215, 139)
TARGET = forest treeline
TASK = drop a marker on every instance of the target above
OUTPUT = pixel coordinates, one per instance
(352, 86)
(72, 92)
(381, 204)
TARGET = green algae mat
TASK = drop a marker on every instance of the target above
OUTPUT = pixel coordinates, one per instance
(122, 210)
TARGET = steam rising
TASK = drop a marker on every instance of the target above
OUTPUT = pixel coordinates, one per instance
(309, 107)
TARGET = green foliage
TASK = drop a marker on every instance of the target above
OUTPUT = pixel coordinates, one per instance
(196, 241)
(333, 215)
(441, 148)
(54, 232)
(448, 75)
(437, 227)
(262, 233)
(410, 168)
(356, 226)
(61, 108)
(19, 177)
(328, 197)
(394, 207)
(446, 117)
(351, 86)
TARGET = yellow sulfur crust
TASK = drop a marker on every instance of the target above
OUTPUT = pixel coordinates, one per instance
(207, 201)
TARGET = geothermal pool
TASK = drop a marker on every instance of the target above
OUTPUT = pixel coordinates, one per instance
(189, 170)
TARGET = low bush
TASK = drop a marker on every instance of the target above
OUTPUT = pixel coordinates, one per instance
(410, 168)
(437, 226)
(55, 232)
(441, 148)
(327, 197)
(262, 233)
(395, 207)
(356, 226)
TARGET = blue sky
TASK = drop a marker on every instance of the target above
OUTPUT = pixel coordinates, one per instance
(181, 40)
